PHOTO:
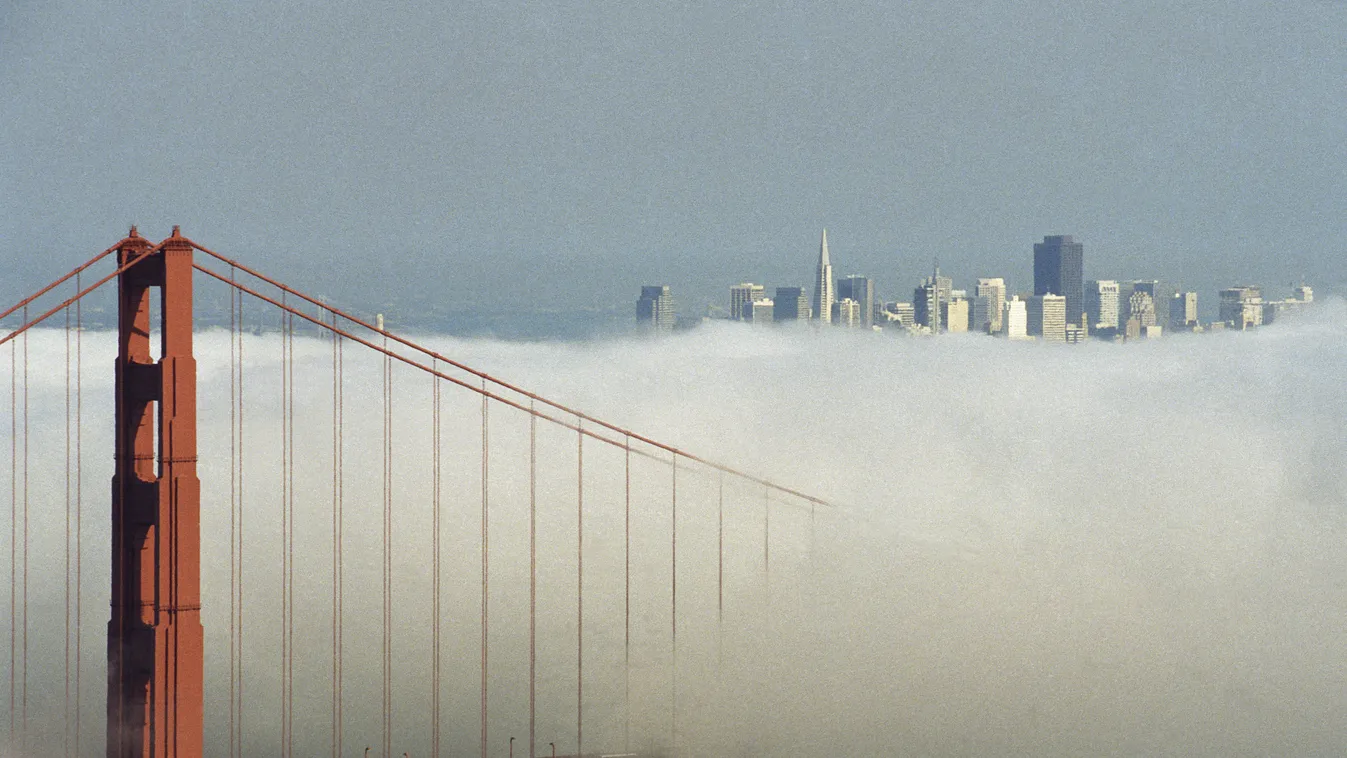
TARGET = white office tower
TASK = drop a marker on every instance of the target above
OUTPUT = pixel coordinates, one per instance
(990, 302)
(1101, 303)
(954, 315)
(741, 296)
(1047, 317)
(1015, 320)
(824, 297)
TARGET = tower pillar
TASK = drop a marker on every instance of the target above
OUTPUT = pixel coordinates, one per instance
(155, 646)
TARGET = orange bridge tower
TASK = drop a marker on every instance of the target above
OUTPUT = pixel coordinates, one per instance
(155, 642)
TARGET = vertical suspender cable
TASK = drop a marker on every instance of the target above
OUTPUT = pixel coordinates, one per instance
(65, 734)
(579, 588)
(485, 566)
(290, 549)
(673, 604)
(233, 510)
(533, 577)
(335, 527)
(23, 722)
(338, 569)
(720, 568)
(285, 527)
(767, 541)
(387, 642)
(79, 502)
(238, 693)
(13, 537)
(626, 603)
(435, 550)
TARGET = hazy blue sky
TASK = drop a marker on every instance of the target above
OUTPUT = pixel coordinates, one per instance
(565, 153)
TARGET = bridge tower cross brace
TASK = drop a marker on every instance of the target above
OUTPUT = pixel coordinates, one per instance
(155, 645)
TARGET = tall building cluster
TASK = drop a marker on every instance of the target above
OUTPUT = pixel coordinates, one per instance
(1061, 307)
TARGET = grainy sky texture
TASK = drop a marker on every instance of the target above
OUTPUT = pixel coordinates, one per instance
(565, 153)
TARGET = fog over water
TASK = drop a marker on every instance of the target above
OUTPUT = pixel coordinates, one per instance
(1035, 550)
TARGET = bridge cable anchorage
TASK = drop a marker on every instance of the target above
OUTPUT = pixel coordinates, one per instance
(566, 410)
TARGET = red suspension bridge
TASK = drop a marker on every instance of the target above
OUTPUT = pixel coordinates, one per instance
(580, 637)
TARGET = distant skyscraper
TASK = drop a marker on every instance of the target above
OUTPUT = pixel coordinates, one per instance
(954, 315)
(990, 301)
(862, 290)
(790, 304)
(1047, 317)
(926, 299)
(1059, 269)
(655, 309)
(824, 297)
(741, 295)
(1101, 303)
(1242, 307)
(846, 312)
(759, 311)
(1015, 320)
(1161, 295)
(904, 313)
(1183, 311)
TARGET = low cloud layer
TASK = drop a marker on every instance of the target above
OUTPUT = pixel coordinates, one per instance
(1035, 549)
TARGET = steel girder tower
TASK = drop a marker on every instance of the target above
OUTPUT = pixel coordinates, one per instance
(155, 637)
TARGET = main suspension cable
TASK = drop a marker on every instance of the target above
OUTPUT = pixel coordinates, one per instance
(485, 377)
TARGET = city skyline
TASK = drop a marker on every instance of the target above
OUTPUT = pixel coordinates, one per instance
(1105, 308)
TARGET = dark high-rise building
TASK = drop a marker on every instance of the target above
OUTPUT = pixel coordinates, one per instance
(926, 299)
(655, 309)
(791, 304)
(862, 290)
(1059, 269)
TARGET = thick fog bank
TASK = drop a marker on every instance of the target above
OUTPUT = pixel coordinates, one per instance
(1035, 549)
